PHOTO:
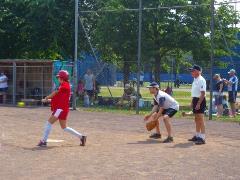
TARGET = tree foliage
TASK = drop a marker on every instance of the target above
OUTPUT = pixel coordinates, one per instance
(45, 29)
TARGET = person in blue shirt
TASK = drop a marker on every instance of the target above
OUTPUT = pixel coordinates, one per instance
(232, 84)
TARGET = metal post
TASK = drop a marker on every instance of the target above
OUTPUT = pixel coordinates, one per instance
(14, 83)
(24, 81)
(172, 69)
(75, 57)
(139, 54)
(212, 59)
(42, 82)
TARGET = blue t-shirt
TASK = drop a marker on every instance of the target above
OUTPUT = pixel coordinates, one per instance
(234, 84)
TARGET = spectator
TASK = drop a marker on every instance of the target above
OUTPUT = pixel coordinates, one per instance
(90, 85)
(97, 89)
(129, 95)
(80, 88)
(134, 82)
(214, 108)
(141, 78)
(169, 91)
(3, 86)
(86, 99)
(153, 77)
(232, 84)
(218, 94)
(225, 106)
(177, 83)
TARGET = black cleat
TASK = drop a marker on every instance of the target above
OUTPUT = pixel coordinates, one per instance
(42, 144)
(169, 139)
(194, 139)
(200, 141)
(155, 136)
(83, 140)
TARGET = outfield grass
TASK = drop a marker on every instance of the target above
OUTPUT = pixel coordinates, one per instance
(183, 96)
(118, 91)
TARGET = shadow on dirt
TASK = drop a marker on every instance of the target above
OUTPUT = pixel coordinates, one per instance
(183, 145)
(148, 141)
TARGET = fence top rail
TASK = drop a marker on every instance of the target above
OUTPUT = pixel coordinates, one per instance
(11, 66)
(26, 60)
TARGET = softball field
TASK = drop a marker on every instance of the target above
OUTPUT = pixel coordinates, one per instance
(117, 148)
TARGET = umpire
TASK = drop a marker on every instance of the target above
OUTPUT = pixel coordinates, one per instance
(198, 104)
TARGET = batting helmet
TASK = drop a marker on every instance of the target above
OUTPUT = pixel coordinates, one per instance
(63, 75)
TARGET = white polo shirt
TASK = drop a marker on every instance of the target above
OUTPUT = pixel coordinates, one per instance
(165, 101)
(199, 84)
(3, 81)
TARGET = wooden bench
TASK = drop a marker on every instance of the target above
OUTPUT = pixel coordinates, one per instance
(31, 102)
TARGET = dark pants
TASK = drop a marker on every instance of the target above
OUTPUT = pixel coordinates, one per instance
(232, 96)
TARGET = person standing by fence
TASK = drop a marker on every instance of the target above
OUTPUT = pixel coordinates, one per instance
(198, 103)
(218, 94)
(90, 85)
(232, 84)
(3, 86)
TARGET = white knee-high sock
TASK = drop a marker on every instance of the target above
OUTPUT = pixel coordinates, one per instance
(203, 136)
(73, 132)
(47, 131)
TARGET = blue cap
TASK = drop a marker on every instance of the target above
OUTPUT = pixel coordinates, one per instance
(153, 85)
(195, 67)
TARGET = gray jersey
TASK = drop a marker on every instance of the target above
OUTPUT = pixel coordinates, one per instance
(165, 101)
(89, 81)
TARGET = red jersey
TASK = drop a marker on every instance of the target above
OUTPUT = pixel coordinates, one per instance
(62, 98)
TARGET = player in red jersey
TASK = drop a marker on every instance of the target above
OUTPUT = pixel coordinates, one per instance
(60, 108)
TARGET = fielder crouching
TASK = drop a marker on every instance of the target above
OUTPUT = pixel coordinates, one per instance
(166, 107)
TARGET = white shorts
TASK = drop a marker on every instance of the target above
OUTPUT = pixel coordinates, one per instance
(60, 114)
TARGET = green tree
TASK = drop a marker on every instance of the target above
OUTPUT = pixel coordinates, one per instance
(45, 29)
(116, 35)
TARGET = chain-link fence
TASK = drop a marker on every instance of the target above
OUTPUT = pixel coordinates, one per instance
(25, 81)
(172, 36)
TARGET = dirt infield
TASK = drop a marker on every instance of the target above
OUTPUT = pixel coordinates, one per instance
(118, 148)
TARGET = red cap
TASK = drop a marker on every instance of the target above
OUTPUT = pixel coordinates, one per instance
(63, 75)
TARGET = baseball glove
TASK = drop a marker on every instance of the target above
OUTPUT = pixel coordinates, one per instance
(151, 124)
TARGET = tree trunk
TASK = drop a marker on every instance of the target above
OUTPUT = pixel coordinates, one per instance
(157, 68)
(126, 72)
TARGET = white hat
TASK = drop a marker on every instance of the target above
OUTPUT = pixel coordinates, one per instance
(153, 84)
(232, 71)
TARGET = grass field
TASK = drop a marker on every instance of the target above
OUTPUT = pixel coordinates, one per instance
(118, 91)
(182, 95)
